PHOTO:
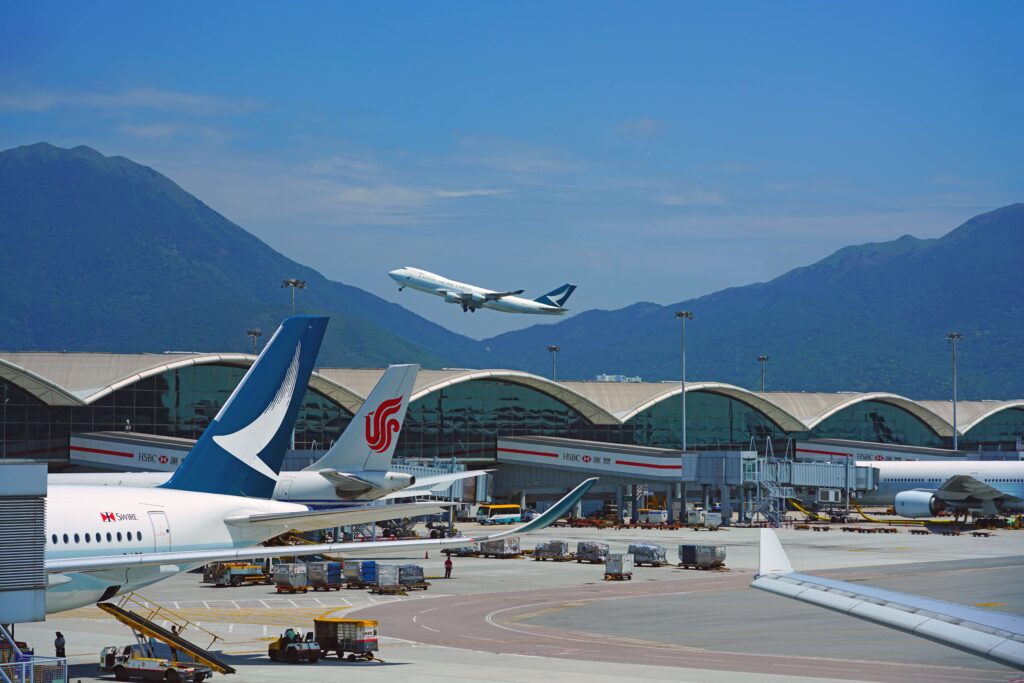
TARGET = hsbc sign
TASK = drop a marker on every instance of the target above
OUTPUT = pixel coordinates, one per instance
(550, 453)
(93, 450)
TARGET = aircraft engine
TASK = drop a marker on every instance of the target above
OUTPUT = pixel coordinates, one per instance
(453, 298)
(915, 504)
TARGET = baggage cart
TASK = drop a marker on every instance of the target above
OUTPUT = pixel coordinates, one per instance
(592, 552)
(618, 567)
(291, 577)
(648, 553)
(701, 556)
(324, 575)
(356, 637)
(501, 548)
(234, 574)
(552, 550)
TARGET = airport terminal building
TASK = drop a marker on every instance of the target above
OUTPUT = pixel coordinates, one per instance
(47, 398)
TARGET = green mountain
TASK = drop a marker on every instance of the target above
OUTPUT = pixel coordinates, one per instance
(101, 253)
(868, 317)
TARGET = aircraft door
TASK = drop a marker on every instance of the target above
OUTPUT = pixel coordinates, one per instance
(161, 531)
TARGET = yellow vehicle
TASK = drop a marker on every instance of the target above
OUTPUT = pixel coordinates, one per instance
(357, 637)
(145, 660)
(490, 513)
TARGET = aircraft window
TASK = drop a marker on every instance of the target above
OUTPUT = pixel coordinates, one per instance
(65, 538)
(118, 536)
(76, 538)
(87, 539)
(54, 538)
(138, 535)
(99, 537)
(108, 537)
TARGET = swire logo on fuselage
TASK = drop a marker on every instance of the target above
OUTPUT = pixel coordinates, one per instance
(118, 516)
(381, 426)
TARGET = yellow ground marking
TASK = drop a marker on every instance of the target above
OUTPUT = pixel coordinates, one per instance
(990, 604)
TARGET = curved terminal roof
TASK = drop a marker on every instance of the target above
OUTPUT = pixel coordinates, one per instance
(68, 379)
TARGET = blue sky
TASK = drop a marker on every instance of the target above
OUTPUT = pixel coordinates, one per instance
(645, 151)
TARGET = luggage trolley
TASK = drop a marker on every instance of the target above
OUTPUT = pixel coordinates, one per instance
(357, 637)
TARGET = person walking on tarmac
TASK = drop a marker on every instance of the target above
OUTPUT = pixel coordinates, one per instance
(448, 567)
(58, 644)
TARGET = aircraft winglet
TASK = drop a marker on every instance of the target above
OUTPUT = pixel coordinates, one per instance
(772, 558)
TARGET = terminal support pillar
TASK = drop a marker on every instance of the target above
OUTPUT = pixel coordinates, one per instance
(522, 499)
(726, 501)
(619, 501)
(631, 502)
(681, 495)
(669, 489)
(706, 495)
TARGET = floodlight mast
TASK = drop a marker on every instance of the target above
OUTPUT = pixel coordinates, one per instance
(254, 334)
(294, 284)
(683, 316)
(953, 338)
(762, 360)
(554, 366)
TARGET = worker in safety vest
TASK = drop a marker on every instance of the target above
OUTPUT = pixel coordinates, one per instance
(448, 567)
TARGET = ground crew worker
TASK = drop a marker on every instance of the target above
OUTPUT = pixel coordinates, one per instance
(58, 644)
(448, 567)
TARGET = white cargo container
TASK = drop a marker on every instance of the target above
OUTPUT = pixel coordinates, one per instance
(619, 565)
(712, 520)
(502, 547)
(654, 516)
(701, 556)
(695, 517)
(387, 575)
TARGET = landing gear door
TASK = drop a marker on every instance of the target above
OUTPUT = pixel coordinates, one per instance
(161, 531)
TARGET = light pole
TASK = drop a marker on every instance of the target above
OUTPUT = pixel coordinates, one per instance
(762, 360)
(953, 338)
(683, 316)
(254, 334)
(294, 284)
(554, 366)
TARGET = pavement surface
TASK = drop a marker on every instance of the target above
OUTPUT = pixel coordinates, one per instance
(516, 620)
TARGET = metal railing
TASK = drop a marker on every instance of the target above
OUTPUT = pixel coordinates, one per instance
(28, 668)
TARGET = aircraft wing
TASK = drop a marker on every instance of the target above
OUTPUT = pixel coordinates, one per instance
(197, 557)
(494, 296)
(992, 635)
(425, 486)
(321, 519)
(963, 488)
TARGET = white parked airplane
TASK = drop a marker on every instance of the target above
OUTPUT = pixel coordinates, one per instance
(101, 541)
(993, 635)
(471, 297)
(923, 488)
(355, 469)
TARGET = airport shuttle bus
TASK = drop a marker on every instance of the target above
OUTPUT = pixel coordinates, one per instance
(489, 513)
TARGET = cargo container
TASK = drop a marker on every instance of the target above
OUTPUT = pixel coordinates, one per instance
(552, 550)
(324, 575)
(695, 518)
(651, 516)
(712, 520)
(360, 572)
(592, 552)
(411, 575)
(701, 556)
(619, 566)
(502, 547)
(291, 577)
(648, 553)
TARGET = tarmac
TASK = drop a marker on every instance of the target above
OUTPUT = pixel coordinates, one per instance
(519, 619)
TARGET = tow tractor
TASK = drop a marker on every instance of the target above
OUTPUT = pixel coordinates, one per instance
(141, 660)
(291, 647)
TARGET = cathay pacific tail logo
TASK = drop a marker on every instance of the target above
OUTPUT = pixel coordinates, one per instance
(247, 443)
(381, 426)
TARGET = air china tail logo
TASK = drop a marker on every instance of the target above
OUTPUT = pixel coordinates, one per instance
(381, 426)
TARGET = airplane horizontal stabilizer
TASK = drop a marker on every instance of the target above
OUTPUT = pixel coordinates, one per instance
(322, 519)
(197, 557)
(349, 483)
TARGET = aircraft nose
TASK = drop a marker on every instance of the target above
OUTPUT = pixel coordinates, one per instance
(397, 273)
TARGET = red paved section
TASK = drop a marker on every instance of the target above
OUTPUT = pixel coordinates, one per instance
(496, 623)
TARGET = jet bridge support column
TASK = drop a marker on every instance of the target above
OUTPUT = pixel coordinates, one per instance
(619, 500)
(669, 489)
(681, 495)
(726, 501)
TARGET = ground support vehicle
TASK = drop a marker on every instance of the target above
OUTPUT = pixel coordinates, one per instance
(140, 661)
(325, 575)
(701, 556)
(357, 637)
(291, 577)
(489, 513)
(592, 552)
(558, 551)
(291, 647)
(619, 567)
(234, 574)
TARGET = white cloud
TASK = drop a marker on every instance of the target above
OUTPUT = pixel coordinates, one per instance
(139, 98)
(513, 156)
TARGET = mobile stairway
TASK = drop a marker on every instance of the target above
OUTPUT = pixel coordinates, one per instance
(145, 626)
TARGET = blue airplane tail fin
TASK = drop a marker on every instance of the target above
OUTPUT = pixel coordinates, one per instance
(557, 297)
(242, 450)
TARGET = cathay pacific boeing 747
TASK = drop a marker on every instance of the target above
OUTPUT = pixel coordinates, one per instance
(471, 297)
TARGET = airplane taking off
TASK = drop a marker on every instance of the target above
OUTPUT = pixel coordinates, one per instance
(471, 297)
(993, 635)
(355, 469)
(102, 541)
(924, 488)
